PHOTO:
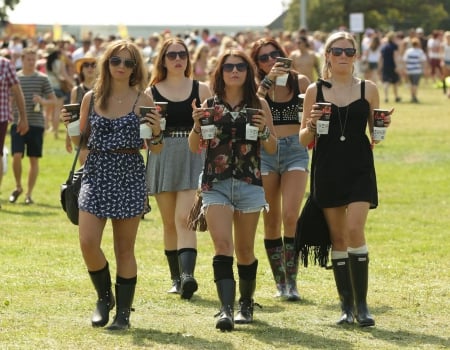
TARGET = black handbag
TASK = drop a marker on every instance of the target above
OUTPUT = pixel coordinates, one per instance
(70, 190)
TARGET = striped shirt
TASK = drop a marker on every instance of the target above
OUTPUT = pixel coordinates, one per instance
(34, 84)
(8, 78)
(414, 58)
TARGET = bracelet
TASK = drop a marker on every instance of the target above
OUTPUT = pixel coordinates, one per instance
(196, 131)
(265, 134)
(157, 139)
(266, 83)
(311, 127)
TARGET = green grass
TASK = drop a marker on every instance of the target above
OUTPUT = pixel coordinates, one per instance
(46, 296)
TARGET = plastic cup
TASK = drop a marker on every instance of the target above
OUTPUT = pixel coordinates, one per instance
(251, 131)
(323, 123)
(162, 107)
(301, 98)
(379, 130)
(208, 131)
(281, 80)
(74, 110)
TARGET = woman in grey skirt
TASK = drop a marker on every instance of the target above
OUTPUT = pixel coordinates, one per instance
(172, 175)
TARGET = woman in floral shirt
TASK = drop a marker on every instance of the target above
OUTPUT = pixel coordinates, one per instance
(231, 183)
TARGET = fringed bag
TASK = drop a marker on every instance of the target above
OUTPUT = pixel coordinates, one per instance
(196, 219)
(312, 235)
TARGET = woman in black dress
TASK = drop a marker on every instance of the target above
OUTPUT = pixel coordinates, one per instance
(343, 173)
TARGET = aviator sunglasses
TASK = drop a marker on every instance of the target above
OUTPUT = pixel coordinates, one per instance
(228, 67)
(127, 62)
(337, 51)
(172, 55)
(265, 58)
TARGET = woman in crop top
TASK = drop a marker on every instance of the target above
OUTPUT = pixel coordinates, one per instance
(284, 173)
(172, 175)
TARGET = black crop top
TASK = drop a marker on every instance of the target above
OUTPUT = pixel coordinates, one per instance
(285, 113)
(179, 114)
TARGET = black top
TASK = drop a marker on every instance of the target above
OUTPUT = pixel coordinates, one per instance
(344, 171)
(179, 113)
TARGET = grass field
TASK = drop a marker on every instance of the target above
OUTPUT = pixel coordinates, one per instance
(46, 296)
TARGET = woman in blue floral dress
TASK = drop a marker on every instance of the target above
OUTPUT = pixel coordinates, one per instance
(231, 183)
(113, 184)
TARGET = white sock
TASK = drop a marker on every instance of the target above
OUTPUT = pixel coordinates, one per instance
(360, 250)
(336, 254)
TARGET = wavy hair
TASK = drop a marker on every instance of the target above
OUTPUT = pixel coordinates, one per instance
(249, 88)
(138, 78)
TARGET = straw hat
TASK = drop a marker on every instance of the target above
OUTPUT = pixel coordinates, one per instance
(79, 62)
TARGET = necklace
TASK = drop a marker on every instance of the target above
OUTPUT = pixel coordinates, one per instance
(343, 138)
(119, 100)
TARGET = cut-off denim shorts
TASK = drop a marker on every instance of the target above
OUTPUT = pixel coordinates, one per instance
(236, 194)
(290, 155)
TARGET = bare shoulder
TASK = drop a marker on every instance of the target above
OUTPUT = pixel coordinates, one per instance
(204, 91)
(371, 87)
(145, 99)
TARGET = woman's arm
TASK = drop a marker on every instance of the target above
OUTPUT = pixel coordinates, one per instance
(307, 131)
(269, 143)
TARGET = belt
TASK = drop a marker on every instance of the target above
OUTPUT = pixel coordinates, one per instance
(176, 133)
(121, 150)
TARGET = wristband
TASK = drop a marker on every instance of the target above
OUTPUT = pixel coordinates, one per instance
(265, 134)
(196, 131)
(157, 140)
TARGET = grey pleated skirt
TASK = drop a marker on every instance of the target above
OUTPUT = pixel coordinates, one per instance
(175, 169)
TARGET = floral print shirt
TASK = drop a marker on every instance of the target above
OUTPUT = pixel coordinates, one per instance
(229, 154)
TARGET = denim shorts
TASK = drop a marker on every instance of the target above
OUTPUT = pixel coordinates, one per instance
(236, 194)
(290, 155)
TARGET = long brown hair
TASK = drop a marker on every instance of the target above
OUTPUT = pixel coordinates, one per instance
(138, 78)
(254, 54)
(159, 72)
(249, 88)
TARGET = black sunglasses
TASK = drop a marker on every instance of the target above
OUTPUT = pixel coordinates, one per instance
(264, 58)
(127, 62)
(172, 55)
(89, 64)
(229, 67)
(337, 51)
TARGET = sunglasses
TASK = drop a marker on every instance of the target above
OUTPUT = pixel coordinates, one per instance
(337, 51)
(229, 67)
(265, 58)
(172, 55)
(89, 64)
(127, 62)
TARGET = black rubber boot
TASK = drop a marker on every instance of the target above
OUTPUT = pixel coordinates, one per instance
(247, 286)
(341, 272)
(105, 302)
(124, 296)
(291, 267)
(174, 267)
(187, 258)
(226, 290)
(275, 254)
(359, 271)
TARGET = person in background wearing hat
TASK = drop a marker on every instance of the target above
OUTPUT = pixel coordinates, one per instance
(83, 50)
(38, 92)
(86, 70)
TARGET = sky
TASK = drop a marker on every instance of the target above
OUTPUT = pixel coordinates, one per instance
(148, 12)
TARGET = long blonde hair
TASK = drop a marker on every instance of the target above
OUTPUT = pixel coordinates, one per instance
(326, 73)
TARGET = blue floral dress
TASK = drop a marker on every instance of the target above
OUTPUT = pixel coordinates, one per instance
(113, 183)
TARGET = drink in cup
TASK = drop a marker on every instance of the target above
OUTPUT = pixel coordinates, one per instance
(281, 80)
(73, 128)
(379, 130)
(206, 124)
(324, 122)
(145, 132)
(301, 98)
(162, 108)
(251, 131)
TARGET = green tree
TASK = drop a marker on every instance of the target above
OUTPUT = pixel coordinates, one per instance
(328, 15)
(6, 5)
